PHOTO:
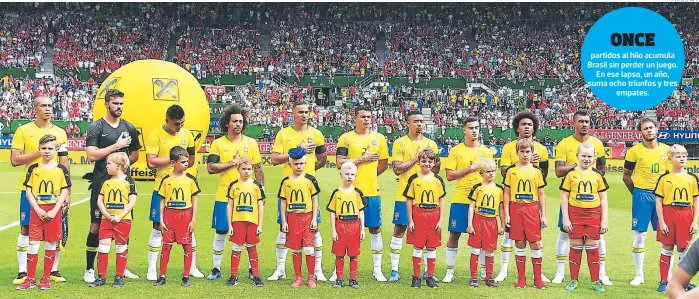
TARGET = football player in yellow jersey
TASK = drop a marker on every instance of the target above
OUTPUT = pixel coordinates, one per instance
(483, 228)
(47, 184)
(346, 209)
(178, 212)
(158, 147)
(525, 211)
(677, 194)
(567, 159)
(405, 163)
(25, 151)
(645, 163)
(116, 202)
(224, 157)
(462, 165)
(300, 134)
(585, 214)
(369, 151)
(245, 215)
(525, 124)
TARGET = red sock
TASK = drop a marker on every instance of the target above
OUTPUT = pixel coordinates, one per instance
(474, 266)
(164, 258)
(417, 265)
(187, 259)
(102, 263)
(49, 257)
(311, 264)
(521, 266)
(297, 263)
(121, 263)
(536, 261)
(354, 264)
(254, 261)
(235, 261)
(593, 263)
(31, 265)
(574, 262)
(488, 267)
(340, 266)
(664, 266)
(430, 266)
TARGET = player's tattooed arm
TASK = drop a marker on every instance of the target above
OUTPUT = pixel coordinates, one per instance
(601, 165)
(259, 174)
(627, 178)
(279, 158)
(437, 166)
(401, 167)
(321, 159)
(383, 165)
(18, 157)
(561, 169)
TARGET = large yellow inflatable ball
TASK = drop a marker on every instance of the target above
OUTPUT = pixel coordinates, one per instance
(150, 87)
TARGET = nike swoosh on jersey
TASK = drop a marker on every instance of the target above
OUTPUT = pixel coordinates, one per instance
(105, 134)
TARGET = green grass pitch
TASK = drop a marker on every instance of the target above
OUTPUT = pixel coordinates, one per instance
(619, 260)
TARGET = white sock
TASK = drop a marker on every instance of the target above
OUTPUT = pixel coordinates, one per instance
(536, 253)
(521, 252)
(376, 250)
(506, 252)
(281, 251)
(451, 258)
(55, 261)
(219, 247)
(194, 253)
(481, 258)
(672, 261)
(639, 252)
(22, 247)
(318, 247)
(424, 260)
(396, 247)
(602, 256)
(155, 242)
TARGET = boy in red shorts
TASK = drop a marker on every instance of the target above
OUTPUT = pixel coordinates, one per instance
(524, 187)
(676, 203)
(48, 185)
(425, 203)
(246, 206)
(486, 205)
(178, 212)
(584, 211)
(299, 212)
(116, 200)
(346, 209)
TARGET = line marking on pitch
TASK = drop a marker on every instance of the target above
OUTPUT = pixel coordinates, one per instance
(16, 223)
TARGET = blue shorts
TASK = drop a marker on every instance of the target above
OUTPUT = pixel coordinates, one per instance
(24, 209)
(372, 212)
(155, 207)
(458, 217)
(279, 212)
(219, 220)
(560, 219)
(643, 210)
(400, 213)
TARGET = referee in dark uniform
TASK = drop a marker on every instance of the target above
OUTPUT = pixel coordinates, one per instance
(107, 135)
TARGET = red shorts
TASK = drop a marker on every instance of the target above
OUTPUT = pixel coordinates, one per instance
(177, 222)
(678, 221)
(47, 231)
(525, 222)
(117, 231)
(348, 237)
(300, 233)
(244, 232)
(425, 234)
(486, 233)
(586, 222)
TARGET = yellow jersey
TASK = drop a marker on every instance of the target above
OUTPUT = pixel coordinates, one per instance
(346, 204)
(584, 187)
(509, 153)
(298, 193)
(487, 199)
(223, 150)
(289, 138)
(352, 145)
(425, 192)
(115, 195)
(462, 157)
(243, 197)
(677, 189)
(567, 149)
(524, 183)
(647, 164)
(177, 192)
(46, 184)
(26, 139)
(405, 149)
(160, 142)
